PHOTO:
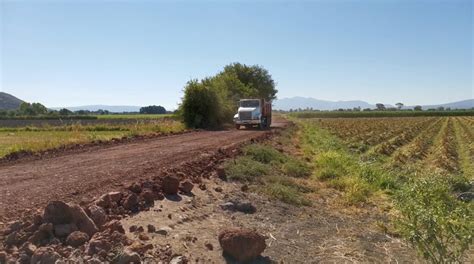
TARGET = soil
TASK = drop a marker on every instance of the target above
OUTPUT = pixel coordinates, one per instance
(78, 176)
(314, 234)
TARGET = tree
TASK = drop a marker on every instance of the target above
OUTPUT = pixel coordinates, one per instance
(33, 109)
(380, 106)
(65, 112)
(153, 109)
(399, 106)
(256, 79)
(417, 108)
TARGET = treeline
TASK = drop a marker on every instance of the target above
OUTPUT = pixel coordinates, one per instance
(212, 101)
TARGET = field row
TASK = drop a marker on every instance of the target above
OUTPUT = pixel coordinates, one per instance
(444, 144)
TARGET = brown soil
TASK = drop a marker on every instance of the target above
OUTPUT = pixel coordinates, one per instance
(79, 176)
(314, 234)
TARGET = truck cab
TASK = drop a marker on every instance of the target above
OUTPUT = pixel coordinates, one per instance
(253, 112)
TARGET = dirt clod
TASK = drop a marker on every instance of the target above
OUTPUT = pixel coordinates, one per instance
(151, 228)
(186, 186)
(242, 244)
(77, 238)
(170, 185)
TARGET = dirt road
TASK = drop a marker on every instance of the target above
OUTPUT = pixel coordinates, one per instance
(76, 176)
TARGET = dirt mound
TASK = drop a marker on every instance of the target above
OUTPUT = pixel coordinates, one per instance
(242, 244)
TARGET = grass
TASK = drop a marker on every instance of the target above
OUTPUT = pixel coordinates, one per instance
(35, 139)
(135, 116)
(271, 172)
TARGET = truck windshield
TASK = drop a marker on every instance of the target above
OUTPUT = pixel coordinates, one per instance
(250, 103)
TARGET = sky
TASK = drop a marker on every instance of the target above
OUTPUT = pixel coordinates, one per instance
(71, 53)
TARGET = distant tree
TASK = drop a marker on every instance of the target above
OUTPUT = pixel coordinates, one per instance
(448, 108)
(33, 109)
(356, 109)
(417, 108)
(153, 109)
(399, 106)
(65, 112)
(440, 108)
(367, 109)
(380, 106)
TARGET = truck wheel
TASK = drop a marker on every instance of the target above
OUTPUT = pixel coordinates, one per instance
(237, 127)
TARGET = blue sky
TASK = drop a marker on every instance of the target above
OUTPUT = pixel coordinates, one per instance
(68, 53)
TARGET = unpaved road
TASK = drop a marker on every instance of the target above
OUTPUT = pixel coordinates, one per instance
(25, 185)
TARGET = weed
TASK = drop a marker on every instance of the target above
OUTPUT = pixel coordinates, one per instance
(296, 168)
(245, 169)
(264, 154)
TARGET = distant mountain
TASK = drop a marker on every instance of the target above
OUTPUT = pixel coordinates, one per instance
(308, 102)
(465, 104)
(110, 108)
(9, 102)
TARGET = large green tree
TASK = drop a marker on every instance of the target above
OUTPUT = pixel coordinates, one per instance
(213, 100)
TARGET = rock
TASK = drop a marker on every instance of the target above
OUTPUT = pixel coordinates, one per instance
(244, 188)
(148, 196)
(97, 244)
(218, 189)
(109, 200)
(133, 229)
(140, 229)
(242, 244)
(202, 186)
(45, 255)
(46, 227)
(40, 236)
(229, 206)
(3, 257)
(178, 260)
(12, 227)
(466, 196)
(94, 261)
(114, 226)
(244, 207)
(82, 221)
(143, 236)
(164, 230)
(186, 186)
(170, 185)
(77, 239)
(221, 173)
(28, 248)
(151, 228)
(135, 187)
(98, 215)
(209, 246)
(64, 230)
(37, 219)
(115, 196)
(131, 202)
(128, 257)
(140, 248)
(57, 212)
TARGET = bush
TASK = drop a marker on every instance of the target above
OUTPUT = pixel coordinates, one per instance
(438, 225)
(201, 107)
(287, 194)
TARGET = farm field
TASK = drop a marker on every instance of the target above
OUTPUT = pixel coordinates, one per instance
(423, 165)
(34, 137)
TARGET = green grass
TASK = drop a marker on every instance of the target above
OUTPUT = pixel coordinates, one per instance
(135, 116)
(34, 139)
(272, 173)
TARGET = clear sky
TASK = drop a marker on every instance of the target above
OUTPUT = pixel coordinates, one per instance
(69, 53)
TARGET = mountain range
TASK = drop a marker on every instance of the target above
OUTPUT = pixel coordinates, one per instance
(308, 102)
(9, 102)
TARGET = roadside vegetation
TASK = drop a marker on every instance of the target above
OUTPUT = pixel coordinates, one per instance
(271, 172)
(34, 139)
(378, 113)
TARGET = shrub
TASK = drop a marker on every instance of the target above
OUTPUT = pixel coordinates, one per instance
(245, 169)
(438, 225)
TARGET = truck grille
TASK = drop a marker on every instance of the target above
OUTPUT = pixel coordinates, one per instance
(245, 115)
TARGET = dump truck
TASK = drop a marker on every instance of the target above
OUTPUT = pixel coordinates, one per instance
(254, 112)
